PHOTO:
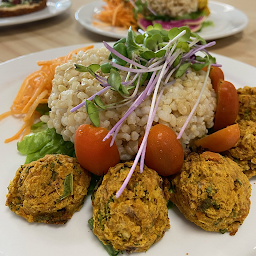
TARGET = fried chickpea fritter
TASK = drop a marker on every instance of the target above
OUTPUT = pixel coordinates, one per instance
(138, 218)
(247, 103)
(212, 191)
(48, 190)
(244, 153)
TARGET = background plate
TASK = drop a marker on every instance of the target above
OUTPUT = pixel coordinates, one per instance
(227, 21)
(53, 8)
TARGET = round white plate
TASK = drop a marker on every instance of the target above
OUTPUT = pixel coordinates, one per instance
(18, 237)
(227, 21)
(53, 8)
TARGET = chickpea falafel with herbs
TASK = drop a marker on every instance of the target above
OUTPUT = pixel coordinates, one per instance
(138, 218)
(213, 192)
(48, 190)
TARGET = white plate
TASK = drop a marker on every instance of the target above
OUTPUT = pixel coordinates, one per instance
(227, 21)
(53, 8)
(19, 238)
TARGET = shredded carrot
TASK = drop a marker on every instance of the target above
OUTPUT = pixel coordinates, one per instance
(118, 13)
(35, 89)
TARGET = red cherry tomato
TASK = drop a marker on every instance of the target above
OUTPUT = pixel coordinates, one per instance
(215, 75)
(227, 105)
(221, 140)
(164, 153)
(94, 154)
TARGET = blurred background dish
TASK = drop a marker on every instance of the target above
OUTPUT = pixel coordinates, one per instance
(53, 8)
(227, 21)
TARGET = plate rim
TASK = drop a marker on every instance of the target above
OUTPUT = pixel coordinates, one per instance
(31, 17)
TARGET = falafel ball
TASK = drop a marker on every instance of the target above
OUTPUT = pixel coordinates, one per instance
(244, 152)
(213, 192)
(48, 190)
(139, 217)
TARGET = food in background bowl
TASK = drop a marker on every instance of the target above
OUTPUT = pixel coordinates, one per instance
(168, 13)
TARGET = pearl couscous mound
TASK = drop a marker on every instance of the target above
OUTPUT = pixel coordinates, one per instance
(173, 8)
(71, 87)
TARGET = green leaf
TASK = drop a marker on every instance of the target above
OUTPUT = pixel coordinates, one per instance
(38, 127)
(147, 55)
(68, 186)
(139, 39)
(120, 47)
(177, 61)
(182, 69)
(114, 80)
(43, 109)
(131, 46)
(91, 68)
(122, 40)
(80, 68)
(186, 36)
(123, 90)
(158, 26)
(183, 46)
(93, 113)
(160, 53)
(106, 67)
(47, 141)
(199, 38)
(143, 78)
(94, 67)
(98, 102)
(151, 44)
(173, 33)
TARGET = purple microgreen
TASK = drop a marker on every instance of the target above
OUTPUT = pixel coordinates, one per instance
(142, 158)
(196, 104)
(90, 98)
(122, 57)
(133, 70)
(144, 140)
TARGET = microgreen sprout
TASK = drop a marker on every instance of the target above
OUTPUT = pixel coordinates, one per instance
(142, 65)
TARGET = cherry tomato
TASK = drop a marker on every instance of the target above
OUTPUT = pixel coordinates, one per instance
(164, 153)
(221, 140)
(227, 105)
(94, 154)
(215, 75)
